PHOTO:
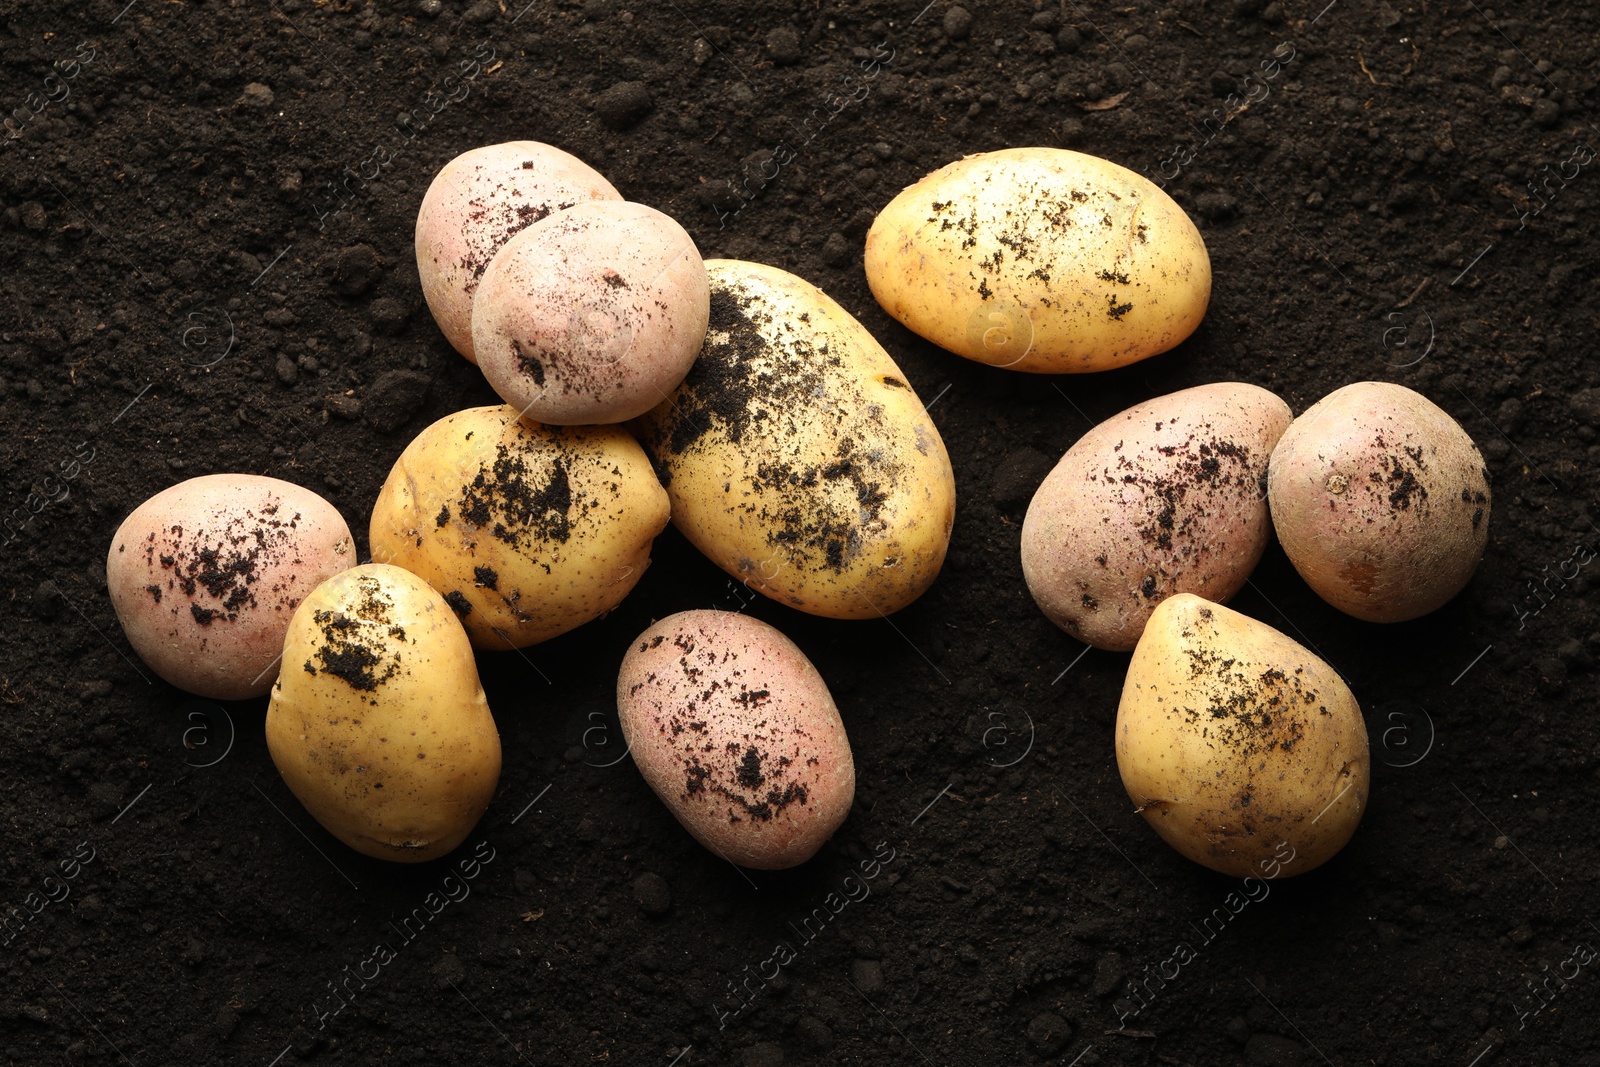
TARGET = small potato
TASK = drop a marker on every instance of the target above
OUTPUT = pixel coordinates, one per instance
(528, 531)
(1381, 501)
(1164, 498)
(593, 315)
(1040, 259)
(736, 732)
(1244, 751)
(378, 724)
(205, 575)
(476, 204)
(797, 456)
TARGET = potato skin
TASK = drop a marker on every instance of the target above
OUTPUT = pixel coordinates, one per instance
(1232, 738)
(592, 315)
(378, 724)
(736, 732)
(205, 575)
(476, 203)
(1381, 501)
(1041, 260)
(526, 530)
(1162, 498)
(797, 456)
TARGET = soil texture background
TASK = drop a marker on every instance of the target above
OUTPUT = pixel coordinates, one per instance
(207, 253)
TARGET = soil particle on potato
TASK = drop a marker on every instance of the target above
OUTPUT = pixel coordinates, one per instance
(818, 504)
(527, 505)
(708, 692)
(224, 565)
(353, 646)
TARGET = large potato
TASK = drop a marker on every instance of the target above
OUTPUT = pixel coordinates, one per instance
(1040, 259)
(528, 531)
(1381, 501)
(1164, 498)
(738, 735)
(797, 456)
(593, 315)
(476, 204)
(205, 575)
(378, 724)
(1234, 740)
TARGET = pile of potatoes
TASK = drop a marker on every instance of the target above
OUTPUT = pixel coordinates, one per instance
(643, 384)
(1231, 738)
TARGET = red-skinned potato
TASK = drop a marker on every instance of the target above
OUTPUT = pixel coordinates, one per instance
(737, 733)
(476, 204)
(205, 575)
(593, 315)
(1381, 501)
(1165, 497)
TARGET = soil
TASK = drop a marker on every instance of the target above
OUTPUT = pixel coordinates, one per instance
(208, 211)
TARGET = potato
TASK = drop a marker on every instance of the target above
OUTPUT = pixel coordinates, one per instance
(475, 204)
(1040, 259)
(378, 724)
(736, 732)
(1234, 741)
(593, 315)
(797, 456)
(528, 531)
(1164, 498)
(205, 575)
(1381, 501)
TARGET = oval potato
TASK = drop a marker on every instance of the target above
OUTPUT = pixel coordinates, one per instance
(1381, 501)
(736, 732)
(1042, 260)
(1165, 497)
(205, 575)
(378, 724)
(796, 455)
(592, 315)
(475, 204)
(1239, 746)
(526, 530)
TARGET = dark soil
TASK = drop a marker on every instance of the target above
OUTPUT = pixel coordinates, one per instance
(206, 241)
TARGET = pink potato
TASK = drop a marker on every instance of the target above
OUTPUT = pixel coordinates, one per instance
(1166, 497)
(205, 575)
(736, 732)
(1381, 501)
(593, 315)
(477, 203)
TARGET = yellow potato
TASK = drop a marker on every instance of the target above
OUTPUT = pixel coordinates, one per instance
(796, 455)
(1236, 743)
(377, 722)
(1040, 259)
(527, 530)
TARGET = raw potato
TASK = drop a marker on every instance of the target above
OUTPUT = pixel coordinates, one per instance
(476, 204)
(738, 735)
(205, 575)
(797, 456)
(1164, 498)
(1040, 259)
(528, 531)
(378, 724)
(1232, 739)
(593, 315)
(1381, 501)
